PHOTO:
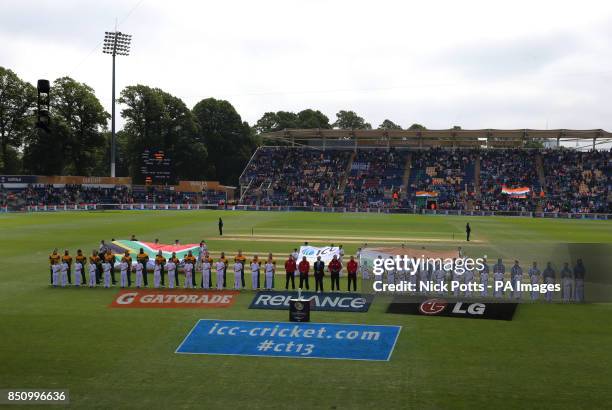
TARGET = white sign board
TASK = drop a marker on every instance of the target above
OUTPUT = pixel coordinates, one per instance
(312, 252)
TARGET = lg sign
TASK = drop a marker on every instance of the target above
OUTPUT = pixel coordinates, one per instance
(435, 306)
(432, 306)
(441, 307)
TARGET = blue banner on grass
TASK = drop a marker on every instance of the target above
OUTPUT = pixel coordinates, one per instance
(287, 339)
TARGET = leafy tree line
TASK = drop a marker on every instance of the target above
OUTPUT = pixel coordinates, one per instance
(210, 141)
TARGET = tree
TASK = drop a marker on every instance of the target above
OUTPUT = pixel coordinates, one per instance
(347, 120)
(44, 152)
(17, 102)
(76, 109)
(277, 121)
(389, 125)
(309, 118)
(156, 119)
(416, 126)
(229, 141)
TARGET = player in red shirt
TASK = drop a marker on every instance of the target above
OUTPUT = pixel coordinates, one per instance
(304, 268)
(334, 268)
(351, 268)
(290, 272)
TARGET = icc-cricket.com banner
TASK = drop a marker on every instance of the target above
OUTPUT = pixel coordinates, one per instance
(312, 252)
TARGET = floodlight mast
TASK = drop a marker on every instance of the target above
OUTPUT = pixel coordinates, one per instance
(116, 43)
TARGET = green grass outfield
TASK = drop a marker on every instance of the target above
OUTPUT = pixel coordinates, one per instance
(549, 356)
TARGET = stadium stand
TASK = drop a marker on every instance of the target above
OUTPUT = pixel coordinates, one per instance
(375, 176)
(577, 182)
(502, 180)
(295, 176)
(458, 180)
(512, 168)
(449, 174)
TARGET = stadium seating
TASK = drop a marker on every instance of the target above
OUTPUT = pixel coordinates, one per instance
(576, 181)
(500, 180)
(511, 168)
(449, 173)
(374, 176)
(294, 176)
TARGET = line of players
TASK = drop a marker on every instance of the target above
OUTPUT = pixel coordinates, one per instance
(101, 268)
(572, 280)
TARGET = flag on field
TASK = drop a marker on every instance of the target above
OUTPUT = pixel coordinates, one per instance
(426, 194)
(151, 248)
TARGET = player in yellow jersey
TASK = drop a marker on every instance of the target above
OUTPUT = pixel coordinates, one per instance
(110, 259)
(67, 259)
(94, 259)
(128, 259)
(242, 259)
(82, 259)
(207, 259)
(176, 261)
(191, 260)
(224, 260)
(143, 258)
(54, 259)
(161, 261)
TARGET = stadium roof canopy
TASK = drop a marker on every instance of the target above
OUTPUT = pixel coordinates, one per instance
(417, 138)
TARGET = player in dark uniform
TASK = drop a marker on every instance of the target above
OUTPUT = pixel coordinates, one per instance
(143, 258)
(68, 260)
(82, 259)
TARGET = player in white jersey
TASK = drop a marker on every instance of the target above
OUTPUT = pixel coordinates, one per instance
(157, 272)
(106, 268)
(188, 269)
(498, 279)
(171, 269)
(55, 269)
(205, 273)
(516, 276)
(78, 274)
(412, 279)
(255, 273)
(391, 276)
(63, 274)
(365, 270)
(484, 278)
(440, 277)
(458, 278)
(138, 268)
(295, 254)
(341, 252)
(220, 267)
(423, 278)
(238, 275)
(534, 276)
(269, 271)
(123, 268)
(468, 279)
(567, 281)
(92, 275)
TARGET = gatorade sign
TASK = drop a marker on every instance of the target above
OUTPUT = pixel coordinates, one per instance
(172, 299)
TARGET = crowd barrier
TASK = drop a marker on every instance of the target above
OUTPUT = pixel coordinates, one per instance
(187, 207)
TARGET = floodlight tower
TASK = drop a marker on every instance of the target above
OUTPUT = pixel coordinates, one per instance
(116, 43)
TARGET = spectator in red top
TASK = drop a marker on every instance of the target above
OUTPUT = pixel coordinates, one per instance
(290, 272)
(334, 268)
(303, 268)
(351, 268)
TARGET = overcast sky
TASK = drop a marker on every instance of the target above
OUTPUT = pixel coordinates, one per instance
(477, 64)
